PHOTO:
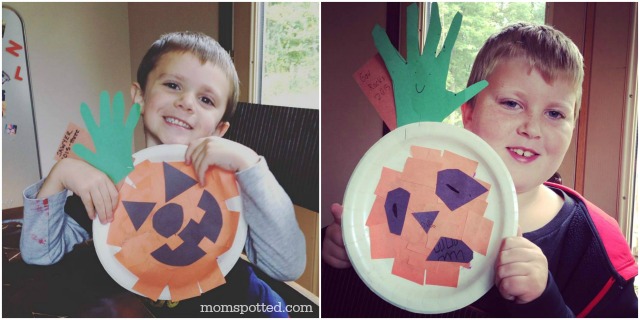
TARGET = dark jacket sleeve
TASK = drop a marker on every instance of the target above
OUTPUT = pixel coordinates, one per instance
(620, 301)
(549, 305)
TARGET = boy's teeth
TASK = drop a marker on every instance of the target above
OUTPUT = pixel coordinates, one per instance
(178, 122)
(522, 152)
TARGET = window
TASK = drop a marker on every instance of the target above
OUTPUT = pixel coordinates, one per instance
(288, 54)
(480, 20)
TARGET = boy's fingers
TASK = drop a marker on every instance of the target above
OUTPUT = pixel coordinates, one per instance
(107, 202)
(195, 155)
(512, 287)
(98, 203)
(336, 211)
(199, 164)
(88, 205)
(334, 234)
(337, 263)
(519, 231)
(513, 269)
(202, 170)
(191, 149)
(114, 194)
(189, 153)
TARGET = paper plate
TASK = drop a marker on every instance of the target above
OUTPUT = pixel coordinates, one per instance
(392, 151)
(106, 252)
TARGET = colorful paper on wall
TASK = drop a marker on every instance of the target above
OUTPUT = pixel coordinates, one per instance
(430, 217)
(172, 236)
(375, 82)
(74, 134)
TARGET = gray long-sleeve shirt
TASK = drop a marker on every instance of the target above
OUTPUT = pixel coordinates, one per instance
(275, 242)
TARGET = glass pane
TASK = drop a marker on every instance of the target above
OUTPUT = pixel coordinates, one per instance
(480, 20)
(290, 75)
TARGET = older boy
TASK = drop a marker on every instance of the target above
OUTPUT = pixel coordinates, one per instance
(572, 259)
(188, 89)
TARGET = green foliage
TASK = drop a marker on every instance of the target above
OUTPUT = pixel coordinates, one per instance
(480, 20)
(291, 48)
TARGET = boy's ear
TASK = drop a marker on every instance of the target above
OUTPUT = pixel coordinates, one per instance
(222, 128)
(136, 96)
(467, 114)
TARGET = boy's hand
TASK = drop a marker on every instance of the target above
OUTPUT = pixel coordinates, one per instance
(113, 138)
(217, 151)
(521, 270)
(98, 193)
(420, 82)
(333, 251)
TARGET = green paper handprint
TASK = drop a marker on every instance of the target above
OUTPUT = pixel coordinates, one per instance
(113, 138)
(419, 83)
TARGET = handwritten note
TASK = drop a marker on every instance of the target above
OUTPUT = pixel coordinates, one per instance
(74, 134)
(375, 82)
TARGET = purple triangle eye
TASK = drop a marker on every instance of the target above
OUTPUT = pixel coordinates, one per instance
(455, 188)
(138, 211)
(396, 208)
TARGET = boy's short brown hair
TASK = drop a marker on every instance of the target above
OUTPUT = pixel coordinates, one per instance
(201, 45)
(545, 48)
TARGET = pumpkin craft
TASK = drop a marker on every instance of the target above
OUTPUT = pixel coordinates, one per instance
(430, 217)
(171, 230)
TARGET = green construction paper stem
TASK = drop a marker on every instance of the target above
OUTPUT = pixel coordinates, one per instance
(113, 138)
(419, 83)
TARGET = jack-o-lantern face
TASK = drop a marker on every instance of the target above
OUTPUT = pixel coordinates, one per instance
(171, 230)
(430, 217)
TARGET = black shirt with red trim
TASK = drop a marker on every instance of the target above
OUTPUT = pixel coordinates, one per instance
(585, 278)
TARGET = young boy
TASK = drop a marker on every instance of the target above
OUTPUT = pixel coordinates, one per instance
(187, 88)
(569, 258)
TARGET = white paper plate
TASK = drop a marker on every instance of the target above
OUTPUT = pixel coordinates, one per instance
(106, 252)
(392, 151)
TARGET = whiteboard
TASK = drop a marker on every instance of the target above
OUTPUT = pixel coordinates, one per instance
(20, 159)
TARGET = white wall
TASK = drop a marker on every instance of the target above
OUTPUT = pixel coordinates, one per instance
(75, 51)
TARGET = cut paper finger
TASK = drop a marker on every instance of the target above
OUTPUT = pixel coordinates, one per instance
(419, 82)
(72, 135)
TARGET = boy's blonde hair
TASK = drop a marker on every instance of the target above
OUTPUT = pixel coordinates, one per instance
(201, 45)
(546, 49)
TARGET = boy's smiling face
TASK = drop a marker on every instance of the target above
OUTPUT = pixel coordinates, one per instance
(183, 100)
(528, 121)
